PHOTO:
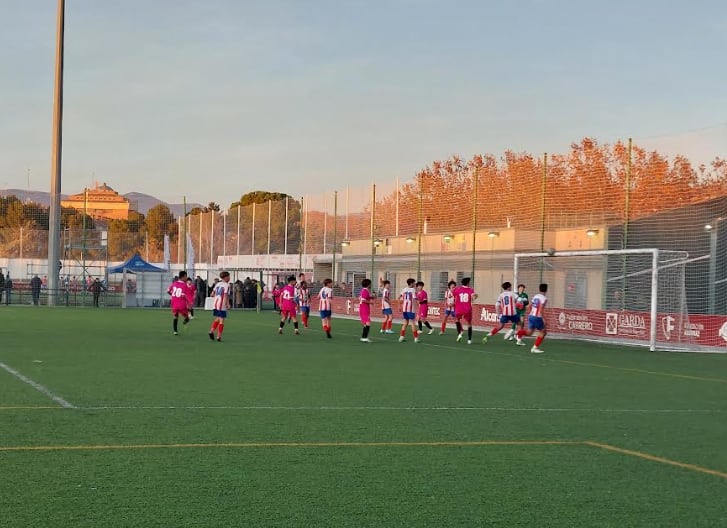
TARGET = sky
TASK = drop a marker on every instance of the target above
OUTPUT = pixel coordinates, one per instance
(213, 99)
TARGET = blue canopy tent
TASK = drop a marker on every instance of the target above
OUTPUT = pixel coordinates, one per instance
(143, 284)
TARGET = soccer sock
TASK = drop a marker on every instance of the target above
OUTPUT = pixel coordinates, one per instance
(469, 333)
(305, 319)
(416, 334)
(367, 329)
(220, 327)
(191, 312)
(390, 325)
(520, 333)
(426, 323)
(384, 325)
(403, 331)
(539, 340)
(459, 327)
(494, 331)
(444, 326)
(420, 325)
(214, 326)
(282, 323)
(175, 322)
(295, 324)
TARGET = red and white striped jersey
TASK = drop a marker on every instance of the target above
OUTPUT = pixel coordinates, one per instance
(324, 299)
(505, 304)
(303, 297)
(537, 305)
(385, 298)
(449, 298)
(407, 299)
(222, 294)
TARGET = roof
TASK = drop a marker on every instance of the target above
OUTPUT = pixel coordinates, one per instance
(136, 264)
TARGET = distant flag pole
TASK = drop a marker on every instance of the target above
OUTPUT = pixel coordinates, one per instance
(183, 233)
(167, 254)
(54, 220)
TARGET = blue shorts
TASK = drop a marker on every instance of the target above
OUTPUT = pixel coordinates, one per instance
(325, 314)
(409, 316)
(448, 312)
(305, 310)
(536, 323)
(219, 313)
(509, 319)
(387, 311)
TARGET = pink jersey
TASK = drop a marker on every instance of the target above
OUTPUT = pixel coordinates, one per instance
(364, 305)
(505, 304)
(463, 299)
(537, 305)
(423, 300)
(221, 294)
(407, 300)
(182, 295)
(287, 298)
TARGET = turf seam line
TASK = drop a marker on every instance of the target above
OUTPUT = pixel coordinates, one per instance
(238, 445)
(654, 458)
(37, 386)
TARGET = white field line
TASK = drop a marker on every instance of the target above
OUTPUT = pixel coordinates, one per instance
(37, 386)
(392, 408)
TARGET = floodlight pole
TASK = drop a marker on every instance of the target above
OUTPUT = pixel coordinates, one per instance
(54, 220)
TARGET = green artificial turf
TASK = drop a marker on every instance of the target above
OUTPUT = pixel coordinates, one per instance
(270, 430)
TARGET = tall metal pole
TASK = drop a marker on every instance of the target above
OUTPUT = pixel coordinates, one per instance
(476, 184)
(373, 229)
(54, 220)
(212, 237)
(184, 235)
(83, 237)
(397, 208)
(542, 211)
(420, 225)
(300, 238)
(335, 236)
(238, 228)
(285, 242)
(627, 204)
(252, 245)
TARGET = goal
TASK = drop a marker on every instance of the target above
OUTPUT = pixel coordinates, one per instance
(633, 296)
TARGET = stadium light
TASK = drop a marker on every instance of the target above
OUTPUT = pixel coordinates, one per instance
(493, 234)
(378, 242)
(592, 232)
(447, 238)
(410, 240)
(345, 242)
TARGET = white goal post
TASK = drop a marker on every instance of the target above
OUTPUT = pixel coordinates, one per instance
(612, 295)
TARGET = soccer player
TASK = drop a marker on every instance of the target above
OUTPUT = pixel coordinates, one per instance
(521, 303)
(423, 303)
(192, 288)
(386, 308)
(324, 306)
(364, 309)
(181, 297)
(288, 306)
(536, 322)
(448, 305)
(505, 309)
(406, 302)
(221, 294)
(463, 297)
(304, 302)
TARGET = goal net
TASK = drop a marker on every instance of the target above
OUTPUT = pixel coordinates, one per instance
(633, 296)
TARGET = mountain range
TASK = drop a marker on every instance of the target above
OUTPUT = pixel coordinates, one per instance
(139, 201)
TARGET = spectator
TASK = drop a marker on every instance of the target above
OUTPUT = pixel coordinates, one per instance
(8, 288)
(2, 285)
(35, 284)
(96, 288)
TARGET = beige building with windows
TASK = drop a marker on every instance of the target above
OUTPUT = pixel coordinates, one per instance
(100, 202)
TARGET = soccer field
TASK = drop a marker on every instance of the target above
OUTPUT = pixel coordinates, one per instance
(107, 419)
